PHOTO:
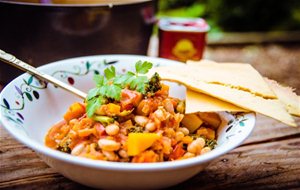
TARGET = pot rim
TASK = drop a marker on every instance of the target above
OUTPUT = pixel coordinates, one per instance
(48, 4)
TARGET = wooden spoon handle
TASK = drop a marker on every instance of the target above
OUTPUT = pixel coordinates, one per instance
(12, 60)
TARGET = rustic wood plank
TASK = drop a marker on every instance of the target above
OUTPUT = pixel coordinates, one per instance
(17, 161)
(43, 182)
(274, 165)
(267, 129)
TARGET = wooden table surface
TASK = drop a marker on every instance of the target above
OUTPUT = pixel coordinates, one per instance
(268, 159)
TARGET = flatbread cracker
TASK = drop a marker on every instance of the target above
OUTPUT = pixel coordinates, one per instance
(287, 96)
(269, 107)
(239, 76)
(199, 102)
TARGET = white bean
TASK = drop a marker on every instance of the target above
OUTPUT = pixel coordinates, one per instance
(196, 146)
(150, 126)
(205, 150)
(184, 130)
(112, 129)
(159, 114)
(141, 120)
(188, 155)
(111, 156)
(77, 149)
(109, 145)
(179, 136)
(123, 153)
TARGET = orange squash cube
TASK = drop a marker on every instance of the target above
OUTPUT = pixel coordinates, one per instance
(138, 142)
(76, 110)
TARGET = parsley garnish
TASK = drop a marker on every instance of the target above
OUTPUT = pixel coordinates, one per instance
(109, 86)
(143, 67)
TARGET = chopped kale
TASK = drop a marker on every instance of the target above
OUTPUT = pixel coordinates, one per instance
(64, 147)
(211, 143)
(153, 85)
(136, 129)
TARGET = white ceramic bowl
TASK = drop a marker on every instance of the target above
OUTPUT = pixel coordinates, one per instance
(30, 107)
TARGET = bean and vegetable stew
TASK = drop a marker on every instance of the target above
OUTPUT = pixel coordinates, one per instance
(130, 118)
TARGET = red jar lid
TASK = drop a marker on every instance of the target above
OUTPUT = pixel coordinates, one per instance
(183, 24)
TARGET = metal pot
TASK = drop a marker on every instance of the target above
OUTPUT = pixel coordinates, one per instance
(40, 33)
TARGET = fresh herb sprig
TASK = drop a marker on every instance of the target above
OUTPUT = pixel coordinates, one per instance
(109, 86)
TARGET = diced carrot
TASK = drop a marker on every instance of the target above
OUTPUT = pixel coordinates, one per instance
(146, 106)
(130, 98)
(100, 130)
(177, 152)
(51, 136)
(163, 91)
(168, 105)
(187, 139)
(85, 123)
(147, 156)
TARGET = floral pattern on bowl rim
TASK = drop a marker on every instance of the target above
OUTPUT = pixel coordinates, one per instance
(31, 86)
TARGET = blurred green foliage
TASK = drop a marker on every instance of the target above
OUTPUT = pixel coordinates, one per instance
(237, 15)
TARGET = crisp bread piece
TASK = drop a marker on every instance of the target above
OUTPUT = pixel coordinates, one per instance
(199, 102)
(249, 101)
(287, 96)
(239, 76)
